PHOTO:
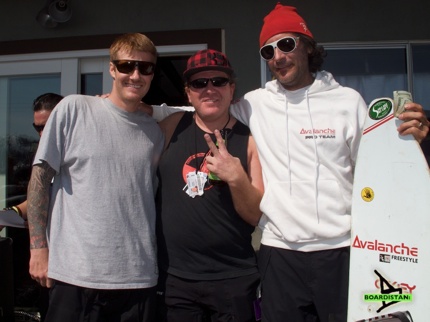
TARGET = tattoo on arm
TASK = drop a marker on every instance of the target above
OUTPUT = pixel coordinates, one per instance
(38, 204)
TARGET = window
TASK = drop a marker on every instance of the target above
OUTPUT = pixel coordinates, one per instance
(373, 72)
(421, 74)
(91, 84)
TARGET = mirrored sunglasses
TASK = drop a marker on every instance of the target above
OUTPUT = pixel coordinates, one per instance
(38, 128)
(128, 66)
(286, 45)
(203, 82)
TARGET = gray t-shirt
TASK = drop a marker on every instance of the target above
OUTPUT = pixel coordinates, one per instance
(101, 228)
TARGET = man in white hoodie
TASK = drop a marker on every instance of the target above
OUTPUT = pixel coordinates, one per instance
(308, 171)
(307, 128)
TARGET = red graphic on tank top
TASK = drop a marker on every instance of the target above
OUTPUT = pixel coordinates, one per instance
(196, 161)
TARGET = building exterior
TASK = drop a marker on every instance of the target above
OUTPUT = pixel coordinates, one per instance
(375, 46)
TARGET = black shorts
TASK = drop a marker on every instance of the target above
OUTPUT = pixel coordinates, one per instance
(225, 300)
(70, 303)
(304, 286)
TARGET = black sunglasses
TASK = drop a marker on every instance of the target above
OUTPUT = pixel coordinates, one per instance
(128, 66)
(38, 128)
(203, 82)
(286, 45)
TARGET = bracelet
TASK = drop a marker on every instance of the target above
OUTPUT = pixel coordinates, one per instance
(17, 210)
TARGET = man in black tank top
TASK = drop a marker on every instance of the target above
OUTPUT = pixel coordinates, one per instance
(208, 203)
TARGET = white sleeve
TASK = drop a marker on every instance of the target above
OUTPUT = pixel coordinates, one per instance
(242, 110)
(160, 112)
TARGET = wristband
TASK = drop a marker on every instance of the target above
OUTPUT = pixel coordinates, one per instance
(17, 210)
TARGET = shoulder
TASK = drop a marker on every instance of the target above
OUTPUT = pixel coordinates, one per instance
(325, 81)
(79, 98)
(171, 121)
(169, 124)
(76, 101)
(350, 92)
(259, 92)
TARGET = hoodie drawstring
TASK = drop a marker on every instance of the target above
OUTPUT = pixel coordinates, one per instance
(288, 148)
(316, 158)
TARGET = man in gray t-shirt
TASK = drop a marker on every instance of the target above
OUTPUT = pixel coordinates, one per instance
(94, 245)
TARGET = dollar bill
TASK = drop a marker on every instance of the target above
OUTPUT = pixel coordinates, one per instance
(400, 99)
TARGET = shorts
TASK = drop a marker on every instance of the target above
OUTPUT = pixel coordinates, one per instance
(225, 300)
(70, 303)
(304, 286)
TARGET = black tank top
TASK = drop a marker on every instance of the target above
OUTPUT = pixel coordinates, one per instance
(201, 238)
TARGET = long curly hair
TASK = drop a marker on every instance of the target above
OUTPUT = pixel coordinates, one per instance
(317, 55)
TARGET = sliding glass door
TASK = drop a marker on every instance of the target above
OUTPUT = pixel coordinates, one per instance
(22, 79)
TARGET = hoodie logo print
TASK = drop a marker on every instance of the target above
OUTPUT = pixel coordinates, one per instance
(327, 133)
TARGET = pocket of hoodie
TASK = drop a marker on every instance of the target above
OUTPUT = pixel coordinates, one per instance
(294, 214)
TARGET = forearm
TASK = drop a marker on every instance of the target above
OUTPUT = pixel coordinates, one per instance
(38, 204)
(160, 112)
(246, 198)
(246, 188)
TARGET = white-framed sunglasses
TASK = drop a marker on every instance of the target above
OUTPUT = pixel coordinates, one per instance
(286, 45)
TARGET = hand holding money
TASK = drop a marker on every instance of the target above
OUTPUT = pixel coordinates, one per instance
(400, 99)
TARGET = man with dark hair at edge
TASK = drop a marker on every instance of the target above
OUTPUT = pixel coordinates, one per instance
(42, 108)
(94, 246)
(208, 203)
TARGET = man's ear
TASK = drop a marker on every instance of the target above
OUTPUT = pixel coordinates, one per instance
(187, 91)
(112, 70)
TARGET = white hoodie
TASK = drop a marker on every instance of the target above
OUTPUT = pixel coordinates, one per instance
(307, 141)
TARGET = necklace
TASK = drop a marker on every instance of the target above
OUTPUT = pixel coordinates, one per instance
(199, 164)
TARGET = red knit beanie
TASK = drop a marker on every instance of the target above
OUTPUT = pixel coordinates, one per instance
(283, 19)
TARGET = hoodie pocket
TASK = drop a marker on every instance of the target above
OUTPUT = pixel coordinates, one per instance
(301, 212)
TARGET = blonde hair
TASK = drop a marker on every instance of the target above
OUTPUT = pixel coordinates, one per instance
(130, 42)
